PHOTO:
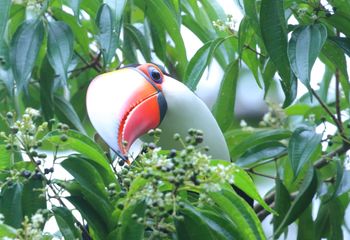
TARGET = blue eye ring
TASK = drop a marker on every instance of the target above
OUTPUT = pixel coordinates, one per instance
(155, 75)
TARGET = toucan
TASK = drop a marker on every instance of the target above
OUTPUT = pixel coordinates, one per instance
(123, 105)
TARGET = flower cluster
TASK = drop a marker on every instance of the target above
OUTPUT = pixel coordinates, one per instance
(274, 118)
(228, 24)
(164, 178)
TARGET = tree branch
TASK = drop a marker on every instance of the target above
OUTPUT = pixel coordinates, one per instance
(335, 120)
(323, 161)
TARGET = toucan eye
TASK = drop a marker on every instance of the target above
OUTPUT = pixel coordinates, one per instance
(155, 74)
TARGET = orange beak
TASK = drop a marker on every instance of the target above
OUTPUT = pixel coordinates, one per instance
(124, 105)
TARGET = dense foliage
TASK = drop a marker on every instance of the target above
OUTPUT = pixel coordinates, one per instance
(51, 49)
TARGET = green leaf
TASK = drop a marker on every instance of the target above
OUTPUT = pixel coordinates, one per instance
(200, 61)
(252, 15)
(84, 145)
(66, 223)
(5, 158)
(11, 204)
(219, 224)
(223, 108)
(32, 199)
(303, 199)
(282, 204)
(75, 6)
(304, 47)
(330, 219)
(303, 143)
(7, 231)
(107, 37)
(46, 80)
(343, 43)
(60, 48)
(266, 150)
(139, 39)
(4, 14)
(240, 213)
(94, 191)
(257, 138)
(80, 32)
(117, 7)
(342, 184)
(130, 228)
(340, 21)
(243, 181)
(193, 226)
(159, 13)
(306, 225)
(93, 218)
(274, 35)
(25, 46)
(68, 112)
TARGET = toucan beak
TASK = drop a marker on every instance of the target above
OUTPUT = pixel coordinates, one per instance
(123, 105)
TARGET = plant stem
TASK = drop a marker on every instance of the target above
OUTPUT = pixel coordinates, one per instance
(335, 120)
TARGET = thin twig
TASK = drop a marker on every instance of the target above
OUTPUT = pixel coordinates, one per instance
(335, 120)
(253, 50)
(252, 171)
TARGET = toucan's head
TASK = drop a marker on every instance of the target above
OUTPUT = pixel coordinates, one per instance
(125, 104)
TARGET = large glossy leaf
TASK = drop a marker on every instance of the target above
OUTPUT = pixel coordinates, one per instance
(65, 222)
(140, 41)
(4, 13)
(304, 47)
(335, 59)
(67, 110)
(274, 34)
(257, 138)
(117, 7)
(80, 32)
(243, 181)
(339, 20)
(130, 228)
(329, 220)
(60, 48)
(261, 152)
(200, 61)
(220, 225)
(303, 143)
(107, 37)
(252, 15)
(193, 226)
(84, 145)
(158, 11)
(343, 43)
(25, 46)
(240, 213)
(303, 199)
(93, 191)
(11, 204)
(223, 108)
(95, 221)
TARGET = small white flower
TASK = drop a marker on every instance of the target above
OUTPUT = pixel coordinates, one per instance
(243, 123)
(37, 219)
